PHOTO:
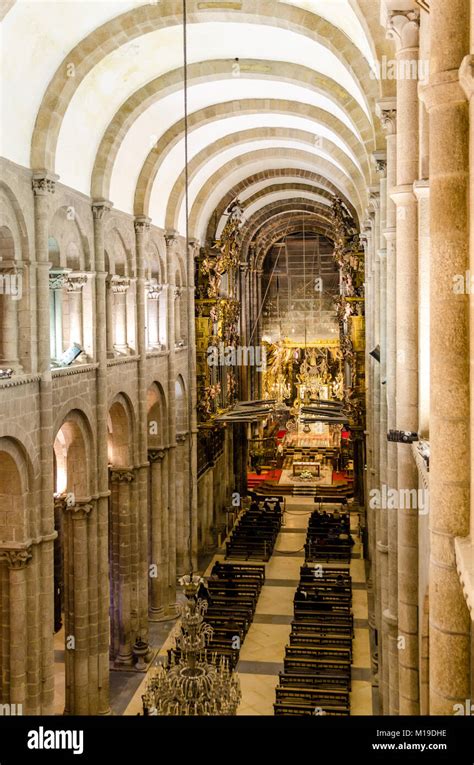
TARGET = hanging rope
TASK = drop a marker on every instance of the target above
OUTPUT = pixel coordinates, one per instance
(190, 350)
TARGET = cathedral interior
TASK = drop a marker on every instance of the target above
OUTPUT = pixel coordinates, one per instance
(235, 363)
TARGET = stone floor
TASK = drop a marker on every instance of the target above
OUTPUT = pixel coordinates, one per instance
(261, 656)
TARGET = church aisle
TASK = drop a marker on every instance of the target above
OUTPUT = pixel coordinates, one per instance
(261, 656)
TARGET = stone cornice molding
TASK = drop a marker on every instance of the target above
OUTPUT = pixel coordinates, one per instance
(43, 183)
(16, 558)
(74, 370)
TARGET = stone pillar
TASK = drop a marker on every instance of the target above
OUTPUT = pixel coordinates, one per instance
(382, 512)
(244, 313)
(142, 228)
(43, 187)
(449, 363)
(9, 299)
(75, 284)
(403, 28)
(155, 458)
(193, 253)
(387, 113)
(172, 245)
(121, 575)
(100, 210)
(167, 590)
(80, 698)
(153, 292)
(258, 336)
(179, 481)
(17, 561)
(119, 286)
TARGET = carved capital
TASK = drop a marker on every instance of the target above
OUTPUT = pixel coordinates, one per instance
(403, 27)
(178, 291)
(374, 201)
(58, 278)
(156, 455)
(194, 247)
(100, 208)
(78, 510)
(121, 475)
(16, 559)
(119, 284)
(380, 162)
(142, 224)
(172, 241)
(153, 290)
(75, 282)
(386, 111)
(43, 184)
(180, 438)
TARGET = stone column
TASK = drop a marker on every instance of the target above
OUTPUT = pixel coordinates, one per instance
(153, 292)
(142, 228)
(155, 458)
(9, 299)
(80, 698)
(449, 363)
(258, 335)
(119, 286)
(403, 28)
(179, 480)
(17, 561)
(387, 113)
(75, 284)
(172, 245)
(121, 578)
(166, 588)
(244, 311)
(43, 188)
(100, 210)
(193, 253)
(380, 159)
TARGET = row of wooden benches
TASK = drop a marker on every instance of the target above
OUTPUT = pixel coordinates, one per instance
(254, 535)
(317, 664)
(328, 537)
(233, 592)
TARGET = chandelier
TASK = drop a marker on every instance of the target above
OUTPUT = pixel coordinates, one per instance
(197, 682)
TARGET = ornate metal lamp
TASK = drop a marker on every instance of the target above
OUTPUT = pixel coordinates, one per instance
(197, 683)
